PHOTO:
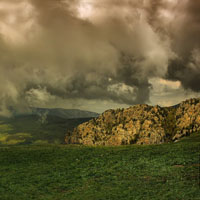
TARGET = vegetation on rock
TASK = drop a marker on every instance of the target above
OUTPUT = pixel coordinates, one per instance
(139, 124)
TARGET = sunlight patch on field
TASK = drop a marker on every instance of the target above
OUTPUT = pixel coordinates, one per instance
(13, 139)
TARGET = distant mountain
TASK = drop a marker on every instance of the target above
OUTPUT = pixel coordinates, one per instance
(59, 112)
(139, 124)
(65, 113)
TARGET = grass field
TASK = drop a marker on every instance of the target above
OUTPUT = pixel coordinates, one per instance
(68, 172)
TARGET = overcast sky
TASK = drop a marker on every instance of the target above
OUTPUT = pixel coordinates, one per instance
(98, 54)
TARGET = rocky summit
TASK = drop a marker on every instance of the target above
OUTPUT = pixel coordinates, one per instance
(139, 124)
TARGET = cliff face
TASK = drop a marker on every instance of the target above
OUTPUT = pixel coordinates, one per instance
(139, 124)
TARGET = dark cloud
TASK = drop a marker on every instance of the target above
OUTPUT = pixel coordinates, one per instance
(186, 45)
(187, 71)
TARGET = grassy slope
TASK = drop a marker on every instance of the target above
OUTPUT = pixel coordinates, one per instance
(59, 172)
(29, 129)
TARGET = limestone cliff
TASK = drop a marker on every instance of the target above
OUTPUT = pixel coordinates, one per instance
(139, 124)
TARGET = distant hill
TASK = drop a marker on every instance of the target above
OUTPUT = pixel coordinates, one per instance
(41, 125)
(59, 112)
(139, 124)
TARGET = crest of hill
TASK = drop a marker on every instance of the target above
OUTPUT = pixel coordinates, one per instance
(139, 124)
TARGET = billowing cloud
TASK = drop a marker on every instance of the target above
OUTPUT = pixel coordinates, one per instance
(95, 51)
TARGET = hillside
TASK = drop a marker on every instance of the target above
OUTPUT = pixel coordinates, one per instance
(77, 172)
(139, 124)
(40, 126)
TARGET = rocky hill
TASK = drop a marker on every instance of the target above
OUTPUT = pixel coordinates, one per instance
(139, 124)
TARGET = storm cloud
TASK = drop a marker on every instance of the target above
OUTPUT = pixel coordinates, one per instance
(109, 50)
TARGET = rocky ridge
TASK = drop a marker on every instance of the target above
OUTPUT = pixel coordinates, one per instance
(139, 124)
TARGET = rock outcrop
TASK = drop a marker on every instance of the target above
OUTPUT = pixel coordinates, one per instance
(139, 124)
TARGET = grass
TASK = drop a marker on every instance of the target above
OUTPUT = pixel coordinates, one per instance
(70, 172)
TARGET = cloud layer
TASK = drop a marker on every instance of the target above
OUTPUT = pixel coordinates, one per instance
(109, 50)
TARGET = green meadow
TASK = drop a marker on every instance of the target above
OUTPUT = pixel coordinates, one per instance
(72, 172)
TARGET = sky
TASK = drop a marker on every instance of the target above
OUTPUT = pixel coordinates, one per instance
(98, 54)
